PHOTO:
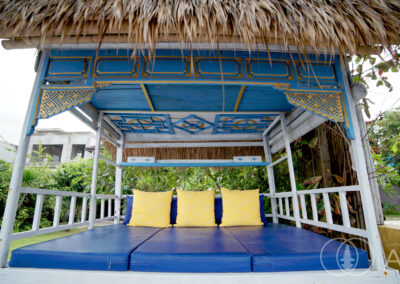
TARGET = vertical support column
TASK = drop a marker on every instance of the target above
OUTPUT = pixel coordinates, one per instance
(292, 177)
(271, 178)
(38, 212)
(84, 207)
(72, 210)
(358, 158)
(18, 169)
(359, 91)
(118, 180)
(93, 203)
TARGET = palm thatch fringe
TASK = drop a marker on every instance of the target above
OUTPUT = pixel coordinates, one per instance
(345, 25)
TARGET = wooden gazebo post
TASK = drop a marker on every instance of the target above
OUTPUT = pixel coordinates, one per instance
(10, 211)
(358, 157)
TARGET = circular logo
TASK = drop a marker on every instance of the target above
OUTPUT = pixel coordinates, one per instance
(343, 260)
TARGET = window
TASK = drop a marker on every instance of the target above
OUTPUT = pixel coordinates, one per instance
(53, 150)
(78, 150)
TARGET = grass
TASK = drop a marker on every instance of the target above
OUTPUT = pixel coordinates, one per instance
(37, 239)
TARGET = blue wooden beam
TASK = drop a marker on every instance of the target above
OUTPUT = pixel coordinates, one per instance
(195, 164)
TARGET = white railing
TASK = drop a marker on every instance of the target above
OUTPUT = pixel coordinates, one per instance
(73, 222)
(285, 208)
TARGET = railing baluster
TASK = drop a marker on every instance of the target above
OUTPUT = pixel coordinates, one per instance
(287, 208)
(84, 209)
(314, 207)
(102, 209)
(303, 206)
(109, 208)
(57, 210)
(344, 209)
(38, 212)
(72, 210)
(280, 206)
(327, 205)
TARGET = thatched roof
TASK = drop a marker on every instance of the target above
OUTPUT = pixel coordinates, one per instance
(346, 25)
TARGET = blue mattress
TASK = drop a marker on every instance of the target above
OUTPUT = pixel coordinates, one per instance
(103, 248)
(191, 250)
(278, 247)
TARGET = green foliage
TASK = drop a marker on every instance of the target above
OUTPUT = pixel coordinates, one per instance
(385, 137)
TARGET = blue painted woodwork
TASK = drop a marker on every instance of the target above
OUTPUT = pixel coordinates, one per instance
(191, 164)
(241, 123)
(120, 97)
(257, 98)
(193, 124)
(173, 83)
(142, 123)
(168, 97)
(116, 66)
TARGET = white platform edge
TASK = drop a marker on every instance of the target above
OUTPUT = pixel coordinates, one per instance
(44, 276)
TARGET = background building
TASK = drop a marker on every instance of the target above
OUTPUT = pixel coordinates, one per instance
(61, 145)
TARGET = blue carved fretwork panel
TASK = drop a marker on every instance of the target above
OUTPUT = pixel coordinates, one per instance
(143, 123)
(242, 123)
(193, 124)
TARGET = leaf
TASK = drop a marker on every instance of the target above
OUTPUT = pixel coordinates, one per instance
(313, 142)
(312, 180)
(338, 178)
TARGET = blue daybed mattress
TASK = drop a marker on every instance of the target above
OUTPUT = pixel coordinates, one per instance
(277, 247)
(103, 248)
(268, 248)
(191, 250)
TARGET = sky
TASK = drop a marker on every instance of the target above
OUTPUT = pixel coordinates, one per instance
(16, 81)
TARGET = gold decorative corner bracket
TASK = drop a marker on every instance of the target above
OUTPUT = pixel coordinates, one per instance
(326, 104)
(54, 101)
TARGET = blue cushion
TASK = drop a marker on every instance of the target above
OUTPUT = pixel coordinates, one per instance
(103, 248)
(278, 247)
(191, 250)
(217, 205)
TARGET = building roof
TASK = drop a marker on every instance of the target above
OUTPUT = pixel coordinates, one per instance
(348, 26)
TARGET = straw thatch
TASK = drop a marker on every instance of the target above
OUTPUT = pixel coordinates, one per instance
(346, 25)
(203, 153)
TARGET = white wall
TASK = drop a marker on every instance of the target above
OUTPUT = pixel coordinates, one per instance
(5, 154)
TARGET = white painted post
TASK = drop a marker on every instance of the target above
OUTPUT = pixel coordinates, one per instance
(287, 207)
(358, 158)
(109, 208)
(344, 209)
(93, 201)
(118, 180)
(72, 210)
(271, 178)
(84, 208)
(18, 170)
(327, 205)
(292, 177)
(38, 212)
(102, 208)
(314, 207)
(280, 206)
(57, 210)
(303, 206)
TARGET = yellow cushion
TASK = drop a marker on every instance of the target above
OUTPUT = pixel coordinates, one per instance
(151, 209)
(195, 208)
(240, 207)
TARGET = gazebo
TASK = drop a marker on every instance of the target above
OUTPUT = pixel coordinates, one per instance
(195, 74)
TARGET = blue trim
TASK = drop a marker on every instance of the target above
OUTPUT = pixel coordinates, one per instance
(241, 123)
(202, 164)
(193, 127)
(350, 128)
(142, 123)
(36, 104)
